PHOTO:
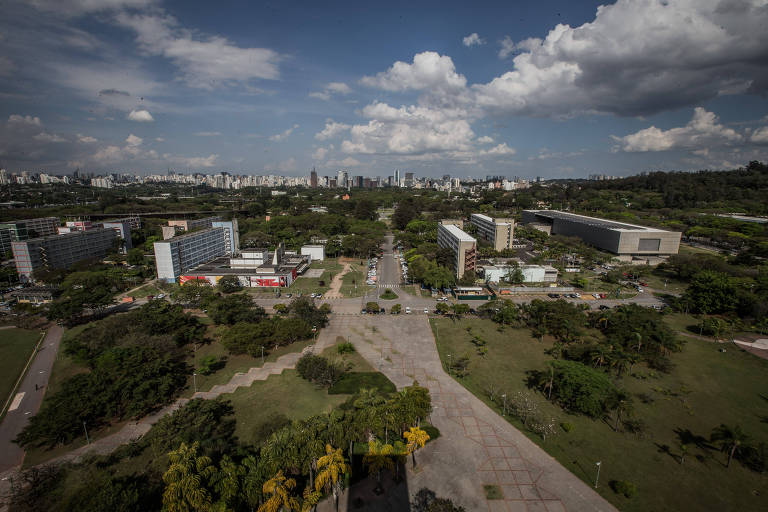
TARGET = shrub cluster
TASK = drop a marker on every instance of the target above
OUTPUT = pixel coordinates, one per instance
(319, 370)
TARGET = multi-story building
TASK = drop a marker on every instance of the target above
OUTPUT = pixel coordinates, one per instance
(499, 232)
(628, 241)
(181, 253)
(26, 229)
(464, 247)
(190, 224)
(61, 251)
(313, 179)
(123, 229)
(233, 237)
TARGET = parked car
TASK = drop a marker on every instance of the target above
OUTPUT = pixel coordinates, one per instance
(426, 311)
(407, 310)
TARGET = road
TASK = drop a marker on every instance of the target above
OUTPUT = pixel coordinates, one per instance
(28, 398)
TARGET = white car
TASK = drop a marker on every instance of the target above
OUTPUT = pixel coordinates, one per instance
(426, 311)
(407, 310)
(313, 295)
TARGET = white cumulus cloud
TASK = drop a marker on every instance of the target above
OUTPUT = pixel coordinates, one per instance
(319, 154)
(330, 89)
(637, 57)
(332, 129)
(473, 39)
(49, 137)
(760, 135)
(140, 116)
(703, 131)
(500, 149)
(429, 70)
(86, 139)
(133, 140)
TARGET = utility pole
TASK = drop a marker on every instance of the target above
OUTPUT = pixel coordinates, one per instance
(597, 477)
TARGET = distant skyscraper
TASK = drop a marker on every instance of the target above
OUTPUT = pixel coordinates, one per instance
(409, 179)
(397, 177)
(341, 179)
(313, 178)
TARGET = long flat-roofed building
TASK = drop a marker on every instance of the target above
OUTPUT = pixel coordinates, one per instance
(61, 251)
(499, 232)
(464, 247)
(628, 241)
(25, 229)
(175, 256)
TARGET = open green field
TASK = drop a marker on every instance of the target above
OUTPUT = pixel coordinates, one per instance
(306, 285)
(353, 282)
(15, 348)
(706, 388)
(147, 289)
(286, 394)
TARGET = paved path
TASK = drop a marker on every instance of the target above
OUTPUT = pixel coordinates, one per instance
(476, 446)
(334, 291)
(29, 396)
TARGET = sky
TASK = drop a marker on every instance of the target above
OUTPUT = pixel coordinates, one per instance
(557, 89)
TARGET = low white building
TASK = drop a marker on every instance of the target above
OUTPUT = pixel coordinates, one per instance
(531, 273)
(315, 252)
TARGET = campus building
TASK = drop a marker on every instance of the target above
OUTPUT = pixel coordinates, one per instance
(181, 253)
(464, 247)
(25, 229)
(629, 241)
(233, 238)
(499, 232)
(61, 251)
(531, 273)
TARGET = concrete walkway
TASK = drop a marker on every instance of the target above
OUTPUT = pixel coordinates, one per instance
(477, 447)
(334, 290)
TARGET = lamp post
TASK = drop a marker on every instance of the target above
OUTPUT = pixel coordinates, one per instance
(504, 408)
(449, 364)
(194, 380)
(262, 355)
(597, 477)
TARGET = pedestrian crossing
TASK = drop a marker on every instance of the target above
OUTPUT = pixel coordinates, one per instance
(388, 286)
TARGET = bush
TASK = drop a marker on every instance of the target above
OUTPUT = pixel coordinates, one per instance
(432, 431)
(576, 387)
(567, 427)
(319, 370)
(210, 364)
(345, 348)
(388, 295)
(352, 383)
(624, 487)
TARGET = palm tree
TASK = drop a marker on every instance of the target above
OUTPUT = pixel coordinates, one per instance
(280, 489)
(227, 479)
(330, 467)
(683, 452)
(378, 459)
(368, 397)
(620, 401)
(185, 480)
(311, 499)
(416, 438)
(729, 438)
(639, 341)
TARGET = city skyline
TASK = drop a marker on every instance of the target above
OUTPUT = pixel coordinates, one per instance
(552, 89)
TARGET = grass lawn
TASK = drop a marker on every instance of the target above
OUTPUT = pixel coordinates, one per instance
(286, 394)
(307, 285)
(147, 289)
(353, 282)
(688, 249)
(15, 349)
(234, 364)
(706, 388)
(388, 295)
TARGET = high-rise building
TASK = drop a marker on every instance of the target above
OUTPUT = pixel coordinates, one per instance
(190, 224)
(181, 253)
(61, 251)
(313, 178)
(397, 178)
(499, 232)
(464, 247)
(408, 180)
(341, 179)
(233, 238)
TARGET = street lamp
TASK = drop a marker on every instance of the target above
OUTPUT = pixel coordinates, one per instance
(597, 477)
(449, 363)
(504, 408)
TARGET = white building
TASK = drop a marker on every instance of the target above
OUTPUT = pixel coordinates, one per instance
(315, 252)
(464, 247)
(531, 273)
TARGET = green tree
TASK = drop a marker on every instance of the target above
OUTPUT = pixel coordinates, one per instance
(379, 458)
(730, 439)
(186, 481)
(416, 438)
(279, 487)
(229, 284)
(330, 468)
(712, 292)
(135, 256)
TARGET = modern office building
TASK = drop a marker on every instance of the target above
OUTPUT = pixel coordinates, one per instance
(181, 253)
(464, 247)
(26, 229)
(499, 232)
(315, 252)
(61, 251)
(123, 229)
(233, 238)
(628, 241)
(531, 273)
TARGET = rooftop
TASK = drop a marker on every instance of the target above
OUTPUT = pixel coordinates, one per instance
(593, 221)
(458, 233)
(187, 235)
